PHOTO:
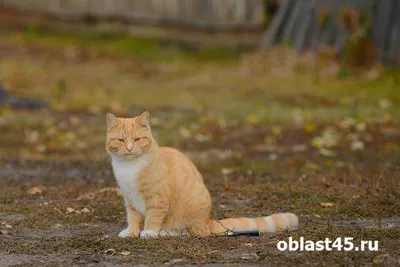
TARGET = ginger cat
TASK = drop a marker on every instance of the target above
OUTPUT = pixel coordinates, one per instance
(164, 193)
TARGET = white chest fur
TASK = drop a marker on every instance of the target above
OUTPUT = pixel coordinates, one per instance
(126, 172)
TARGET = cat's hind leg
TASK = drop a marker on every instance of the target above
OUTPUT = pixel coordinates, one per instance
(199, 229)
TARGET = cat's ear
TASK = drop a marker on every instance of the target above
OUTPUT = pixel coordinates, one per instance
(112, 121)
(144, 119)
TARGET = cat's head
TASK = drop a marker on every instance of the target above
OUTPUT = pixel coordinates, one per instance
(129, 137)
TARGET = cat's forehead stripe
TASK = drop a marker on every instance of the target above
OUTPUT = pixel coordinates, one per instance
(128, 126)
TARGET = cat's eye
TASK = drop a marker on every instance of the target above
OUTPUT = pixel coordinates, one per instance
(121, 140)
(136, 139)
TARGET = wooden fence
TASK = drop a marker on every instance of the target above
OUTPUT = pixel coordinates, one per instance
(204, 14)
(306, 24)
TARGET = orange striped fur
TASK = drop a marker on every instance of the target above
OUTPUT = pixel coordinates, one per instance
(164, 192)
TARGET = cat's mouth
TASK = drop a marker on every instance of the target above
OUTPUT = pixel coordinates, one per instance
(131, 155)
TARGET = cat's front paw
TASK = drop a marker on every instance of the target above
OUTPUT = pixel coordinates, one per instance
(148, 234)
(125, 233)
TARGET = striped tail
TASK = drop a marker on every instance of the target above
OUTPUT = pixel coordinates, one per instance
(273, 223)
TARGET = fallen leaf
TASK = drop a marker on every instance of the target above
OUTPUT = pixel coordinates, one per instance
(357, 145)
(372, 74)
(74, 120)
(104, 237)
(264, 148)
(294, 162)
(299, 148)
(110, 251)
(326, 204)
(227, 187)
(384, 103)
(340, 164)
(327, 152)
(252, 119)
(317, 142)
(227, 171)
(70, 136)
(347, 123)
(185, 132)
(302, 177)
(34, 190)
(352, 136)
(361, 126)
(69, 210)
(272, 156)
(380, 258)
(85, 210)
(39, 148)
(276, 130)
(125, 253)
(310, 127)
(31, 136)
(251, 256)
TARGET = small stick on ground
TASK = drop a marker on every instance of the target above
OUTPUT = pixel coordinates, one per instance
(94, 194)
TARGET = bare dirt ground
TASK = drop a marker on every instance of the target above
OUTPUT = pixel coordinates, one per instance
(266, 139)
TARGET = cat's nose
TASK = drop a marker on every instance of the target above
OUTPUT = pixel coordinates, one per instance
(129, 147)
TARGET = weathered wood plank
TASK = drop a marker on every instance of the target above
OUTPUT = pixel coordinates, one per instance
(103, 8)
(288, 29)
(381, 24)
(306, 20)
(394, 39)
(272, 33)
(197, 13)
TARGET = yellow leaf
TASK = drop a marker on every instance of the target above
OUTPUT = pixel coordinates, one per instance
(34, 190)
(185, 132)
(276, 130)
(252, 119)
(310, 127)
